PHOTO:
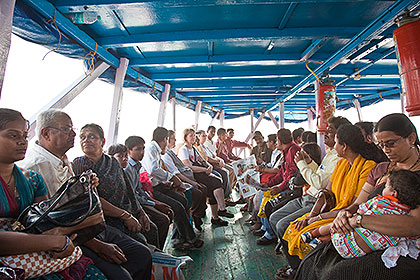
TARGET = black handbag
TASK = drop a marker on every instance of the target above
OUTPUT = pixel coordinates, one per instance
(197, 162)
(74, 208)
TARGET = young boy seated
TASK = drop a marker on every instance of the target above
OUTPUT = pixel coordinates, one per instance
(401, 194)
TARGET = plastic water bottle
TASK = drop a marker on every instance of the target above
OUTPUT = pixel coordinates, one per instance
(84, 18)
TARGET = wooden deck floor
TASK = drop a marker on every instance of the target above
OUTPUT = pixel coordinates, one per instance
(230, 253)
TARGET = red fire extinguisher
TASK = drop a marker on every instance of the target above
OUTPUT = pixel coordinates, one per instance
(325, 102)
(407, 42)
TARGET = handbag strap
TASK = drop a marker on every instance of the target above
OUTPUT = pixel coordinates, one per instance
(61, 191)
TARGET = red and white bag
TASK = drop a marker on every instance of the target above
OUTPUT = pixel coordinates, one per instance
(38, 263)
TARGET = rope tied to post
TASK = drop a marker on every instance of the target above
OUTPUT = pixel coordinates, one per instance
(53, 22)
(154, 87)
(89, 58)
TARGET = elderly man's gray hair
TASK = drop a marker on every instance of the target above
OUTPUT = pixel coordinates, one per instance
(47, 119)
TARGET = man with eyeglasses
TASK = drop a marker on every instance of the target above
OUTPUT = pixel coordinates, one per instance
(48, 155)
(117, 255)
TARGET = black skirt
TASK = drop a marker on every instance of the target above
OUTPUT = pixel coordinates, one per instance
(325, 263)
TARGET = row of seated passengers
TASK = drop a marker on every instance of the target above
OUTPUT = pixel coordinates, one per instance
(138, 214)
(374, 185)
(125, 216)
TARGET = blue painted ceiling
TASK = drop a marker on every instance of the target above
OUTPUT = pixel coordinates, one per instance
(234, 55)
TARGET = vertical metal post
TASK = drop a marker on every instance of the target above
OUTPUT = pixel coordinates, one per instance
(251, 113)
(260, 118)
(320, 136)
(116, 102)
(162, 108)
(197, 113)
(174, 113)
(358, 109)
(281, 114)
(6, 19)
(310, 119)
(222, 118)
(402, 98)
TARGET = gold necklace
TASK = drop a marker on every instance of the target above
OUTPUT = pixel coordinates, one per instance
(12, 188)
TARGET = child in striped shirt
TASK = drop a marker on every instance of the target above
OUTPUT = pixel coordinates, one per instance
(400, 195)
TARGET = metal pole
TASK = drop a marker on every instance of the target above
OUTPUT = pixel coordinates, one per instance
(222, 118)
(214, 118)
(6, 19)
(320, 136)
(281, 114)
(162, 108)
(310, 119)
(197, 113)
(67, 95)
(116, 102)
(358, 109)
(273, 119)
(251, 113)
(174, 113)
(402, 98)
(252, 131)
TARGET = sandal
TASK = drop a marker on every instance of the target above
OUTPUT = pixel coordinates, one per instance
(182, 246)
(284, 273)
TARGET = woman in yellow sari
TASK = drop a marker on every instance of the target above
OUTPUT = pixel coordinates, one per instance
(350, 174)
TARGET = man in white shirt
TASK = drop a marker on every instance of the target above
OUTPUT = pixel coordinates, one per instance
(165, 187)
(115, 254)
(210, 144)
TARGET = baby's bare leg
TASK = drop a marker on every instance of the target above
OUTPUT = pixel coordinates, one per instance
(361, 243)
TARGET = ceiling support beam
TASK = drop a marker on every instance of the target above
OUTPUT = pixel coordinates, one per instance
(67, 95)
(6, 19)
(312, 49)
(94, 5)
(287, 15)
(254, 34)
(162, 108)
(376, 27)
(114, 121)
(381, 57)
(47, 10)
(292, 71)
(218, 59)
(381, 95)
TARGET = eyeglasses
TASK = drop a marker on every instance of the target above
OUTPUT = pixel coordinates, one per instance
(389, 143)
(64, 129)
(91, 137)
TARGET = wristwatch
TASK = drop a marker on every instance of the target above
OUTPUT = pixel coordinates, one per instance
(359, 218)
